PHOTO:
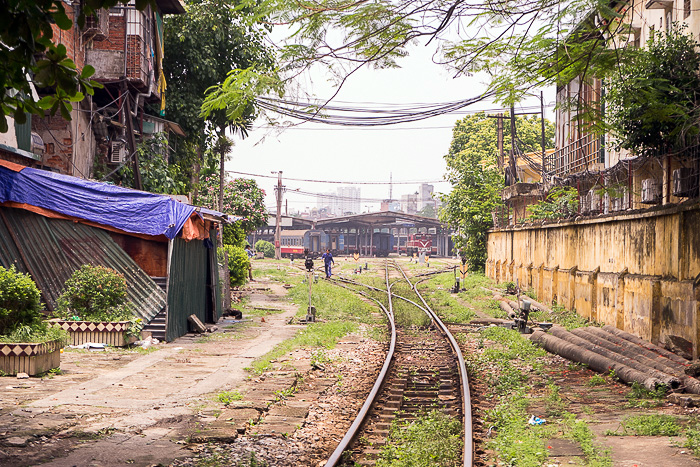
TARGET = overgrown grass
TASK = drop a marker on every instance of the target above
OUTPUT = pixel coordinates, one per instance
(516, 441)
(226, 397)
(432, 440)
(647, 425)
(406, 314)
(567, 318)
(314, 335)
(641, 397)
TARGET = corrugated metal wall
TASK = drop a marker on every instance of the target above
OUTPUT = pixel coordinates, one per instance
(187, 286)
(52, 249)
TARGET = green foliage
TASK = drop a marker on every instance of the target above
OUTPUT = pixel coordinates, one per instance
(267, 248)
(20, 301)
(30, 53)
(648, 425)
(692, 441)
(561, 203)
(204, 45)
(596, 380)
(234, 235)
(37, 333)
(579, 431)
(476, 180)
(94, 293)
(655, 105)
(238, 264)
(157, 175)
(431, 440)
(227, 397)
(242, 197)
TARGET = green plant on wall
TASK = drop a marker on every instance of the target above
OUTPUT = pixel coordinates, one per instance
(561, 202)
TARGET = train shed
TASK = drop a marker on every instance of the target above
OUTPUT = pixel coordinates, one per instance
(362, 227)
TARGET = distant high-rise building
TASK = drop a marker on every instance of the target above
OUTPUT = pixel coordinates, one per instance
(425, 196)
(409, 203)
(346, 200)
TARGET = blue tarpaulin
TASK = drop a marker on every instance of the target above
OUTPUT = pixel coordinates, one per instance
(129, 210)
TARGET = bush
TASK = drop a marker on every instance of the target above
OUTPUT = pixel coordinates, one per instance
(20, 301)
(94, 293)
(238, 264)
(234, 235)
(267, 248)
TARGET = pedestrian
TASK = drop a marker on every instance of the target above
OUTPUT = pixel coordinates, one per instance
(327, 260)
(251, 254)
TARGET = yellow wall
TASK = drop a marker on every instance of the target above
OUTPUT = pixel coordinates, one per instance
(639, 271)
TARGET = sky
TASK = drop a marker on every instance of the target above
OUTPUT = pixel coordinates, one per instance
(411, 152)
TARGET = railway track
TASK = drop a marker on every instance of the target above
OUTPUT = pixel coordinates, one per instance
(423, 371)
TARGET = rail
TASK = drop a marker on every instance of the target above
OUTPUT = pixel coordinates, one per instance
(364, 410)
(468, 454)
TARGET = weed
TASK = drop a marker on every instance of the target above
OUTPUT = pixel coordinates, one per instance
(596, 380)
(692, 440)
(579, 431)
(226, 397)
(648, 425)
(433, 439)
(554, 405)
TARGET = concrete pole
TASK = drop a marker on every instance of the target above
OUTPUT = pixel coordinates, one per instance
(278, 222)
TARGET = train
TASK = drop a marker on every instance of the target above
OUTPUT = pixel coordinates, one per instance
(418, 243)
(295, 243)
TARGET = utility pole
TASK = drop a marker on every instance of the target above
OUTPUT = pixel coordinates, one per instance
(278, 222)
(513, 170)
(544, 144)
(499, 140)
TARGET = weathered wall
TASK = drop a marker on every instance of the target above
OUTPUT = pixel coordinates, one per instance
(639, 271)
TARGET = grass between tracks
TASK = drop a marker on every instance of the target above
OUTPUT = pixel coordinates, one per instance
(338, 312)
(507, 362)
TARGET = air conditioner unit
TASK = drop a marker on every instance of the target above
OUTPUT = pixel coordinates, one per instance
(685, 182)
(97, 25)
(37, 144)
(619, 203)
(651, 191)
(118, 152)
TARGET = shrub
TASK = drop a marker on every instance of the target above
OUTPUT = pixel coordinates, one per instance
(20, 304)
(267, 248)
(94, 293)
(238, 264)
(233, 234)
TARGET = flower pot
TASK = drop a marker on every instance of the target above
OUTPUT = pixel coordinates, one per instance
(30, 358)
(103, 332)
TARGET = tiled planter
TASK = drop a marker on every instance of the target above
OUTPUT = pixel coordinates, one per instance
(110, 333)
(30, 358)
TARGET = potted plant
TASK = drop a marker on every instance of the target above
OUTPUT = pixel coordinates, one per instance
(27, 343)
(93, 307)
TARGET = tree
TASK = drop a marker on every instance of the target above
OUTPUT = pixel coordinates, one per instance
(30, 58)
(203, 47)
(242, 198)
(655, 106)
(519, 44)
(476, 181)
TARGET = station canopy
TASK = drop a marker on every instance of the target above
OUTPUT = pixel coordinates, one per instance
(382, 219)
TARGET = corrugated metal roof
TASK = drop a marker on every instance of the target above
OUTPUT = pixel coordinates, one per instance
(52, 249)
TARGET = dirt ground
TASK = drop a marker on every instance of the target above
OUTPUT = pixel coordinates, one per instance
(126, 408)
(121, 407)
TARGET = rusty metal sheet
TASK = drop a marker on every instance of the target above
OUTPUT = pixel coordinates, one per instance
(52, 249)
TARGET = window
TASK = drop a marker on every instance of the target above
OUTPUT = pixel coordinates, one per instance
(686, 8)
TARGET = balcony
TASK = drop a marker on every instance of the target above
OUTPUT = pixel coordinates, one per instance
(585, 153)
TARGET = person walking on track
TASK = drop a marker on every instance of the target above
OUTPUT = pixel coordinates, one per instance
(327, 260)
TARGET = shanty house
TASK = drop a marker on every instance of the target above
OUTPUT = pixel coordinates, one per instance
(51, 224)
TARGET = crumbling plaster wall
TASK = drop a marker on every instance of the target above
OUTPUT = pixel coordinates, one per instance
(638, 271)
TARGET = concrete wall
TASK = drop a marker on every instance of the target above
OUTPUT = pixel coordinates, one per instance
(639, 271)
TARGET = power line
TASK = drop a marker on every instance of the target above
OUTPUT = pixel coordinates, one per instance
(416, 182)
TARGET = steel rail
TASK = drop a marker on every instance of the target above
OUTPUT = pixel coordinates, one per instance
(466, 398)
(364, 410)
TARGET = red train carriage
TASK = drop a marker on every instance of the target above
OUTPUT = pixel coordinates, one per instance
(419, 243)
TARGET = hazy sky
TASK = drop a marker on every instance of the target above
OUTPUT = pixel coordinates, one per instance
(410, 152)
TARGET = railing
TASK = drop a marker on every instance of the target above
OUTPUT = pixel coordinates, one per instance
(577, 156)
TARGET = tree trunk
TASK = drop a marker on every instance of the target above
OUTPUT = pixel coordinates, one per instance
(593, 360)
(668, 380)
(647, 345)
